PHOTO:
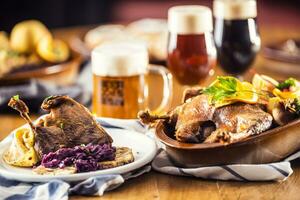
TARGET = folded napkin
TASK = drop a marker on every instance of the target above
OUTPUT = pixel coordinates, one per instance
(278, 171)
(60, 190)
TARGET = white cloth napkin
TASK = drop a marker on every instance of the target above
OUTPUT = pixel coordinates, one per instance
(60, 190)
(278, 171)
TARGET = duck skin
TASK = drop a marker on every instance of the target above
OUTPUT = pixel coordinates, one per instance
(67, 125)
(198, 121)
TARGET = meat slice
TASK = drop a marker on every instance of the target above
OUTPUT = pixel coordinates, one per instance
(67, 125)
(238, 121)
(190, 118)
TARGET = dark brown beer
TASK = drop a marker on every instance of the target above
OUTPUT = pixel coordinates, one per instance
(236, 35)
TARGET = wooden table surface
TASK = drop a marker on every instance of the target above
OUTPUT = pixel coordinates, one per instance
(155, 185)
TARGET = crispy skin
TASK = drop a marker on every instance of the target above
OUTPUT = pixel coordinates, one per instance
(190, 117)
(197, 120)
(238, 121)
(67, 125)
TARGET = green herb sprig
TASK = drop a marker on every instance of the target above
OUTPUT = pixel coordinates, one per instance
(225, 87)
(290, 82)
(16, 97)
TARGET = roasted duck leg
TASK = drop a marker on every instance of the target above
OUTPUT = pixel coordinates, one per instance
(186, 119)
(21, 107)
(67, 125)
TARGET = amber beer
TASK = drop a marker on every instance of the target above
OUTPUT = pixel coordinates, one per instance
(191, 50)
(112, 94)
(119, 73)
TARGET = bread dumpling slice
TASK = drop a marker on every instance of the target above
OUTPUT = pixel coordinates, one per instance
(21, 152)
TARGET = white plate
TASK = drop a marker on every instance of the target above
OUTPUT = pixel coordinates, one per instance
(144, 150)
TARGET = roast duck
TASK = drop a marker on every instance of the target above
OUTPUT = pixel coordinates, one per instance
(208, 115)
(68, 140)
(67, 125)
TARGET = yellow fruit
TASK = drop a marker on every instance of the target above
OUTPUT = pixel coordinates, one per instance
(26, 35)
(285, 95)
(246, 93)
(219, 104)
(53, 50)
(265, 83)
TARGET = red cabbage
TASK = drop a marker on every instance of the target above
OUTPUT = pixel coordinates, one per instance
(84, 158)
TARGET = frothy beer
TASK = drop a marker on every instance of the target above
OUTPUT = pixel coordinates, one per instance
(119, 70)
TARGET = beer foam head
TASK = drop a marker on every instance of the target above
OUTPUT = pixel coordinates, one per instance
(189, 19)
(120, 59)
(234, 9)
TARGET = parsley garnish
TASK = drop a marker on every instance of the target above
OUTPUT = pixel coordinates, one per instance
(290, 82)
(61, 125)
(16, 97)
(223, 88)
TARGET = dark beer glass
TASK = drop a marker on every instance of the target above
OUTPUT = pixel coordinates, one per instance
(236, 35)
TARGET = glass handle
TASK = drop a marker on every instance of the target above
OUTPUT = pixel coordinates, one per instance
(167, 87)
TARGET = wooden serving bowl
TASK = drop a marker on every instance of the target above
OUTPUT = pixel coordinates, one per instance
(64, 73)
(270, 146)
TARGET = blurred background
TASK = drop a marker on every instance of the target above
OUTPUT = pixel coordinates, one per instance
(63, 13)
(70, 21)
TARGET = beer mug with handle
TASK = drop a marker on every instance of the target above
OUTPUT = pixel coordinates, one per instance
(120, 88)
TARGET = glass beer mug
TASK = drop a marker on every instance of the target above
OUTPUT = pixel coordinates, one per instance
(119, 80)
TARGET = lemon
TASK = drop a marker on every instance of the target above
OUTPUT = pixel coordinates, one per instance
(286, 94)
(219, 104)
(53, 50)
(247, 93)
